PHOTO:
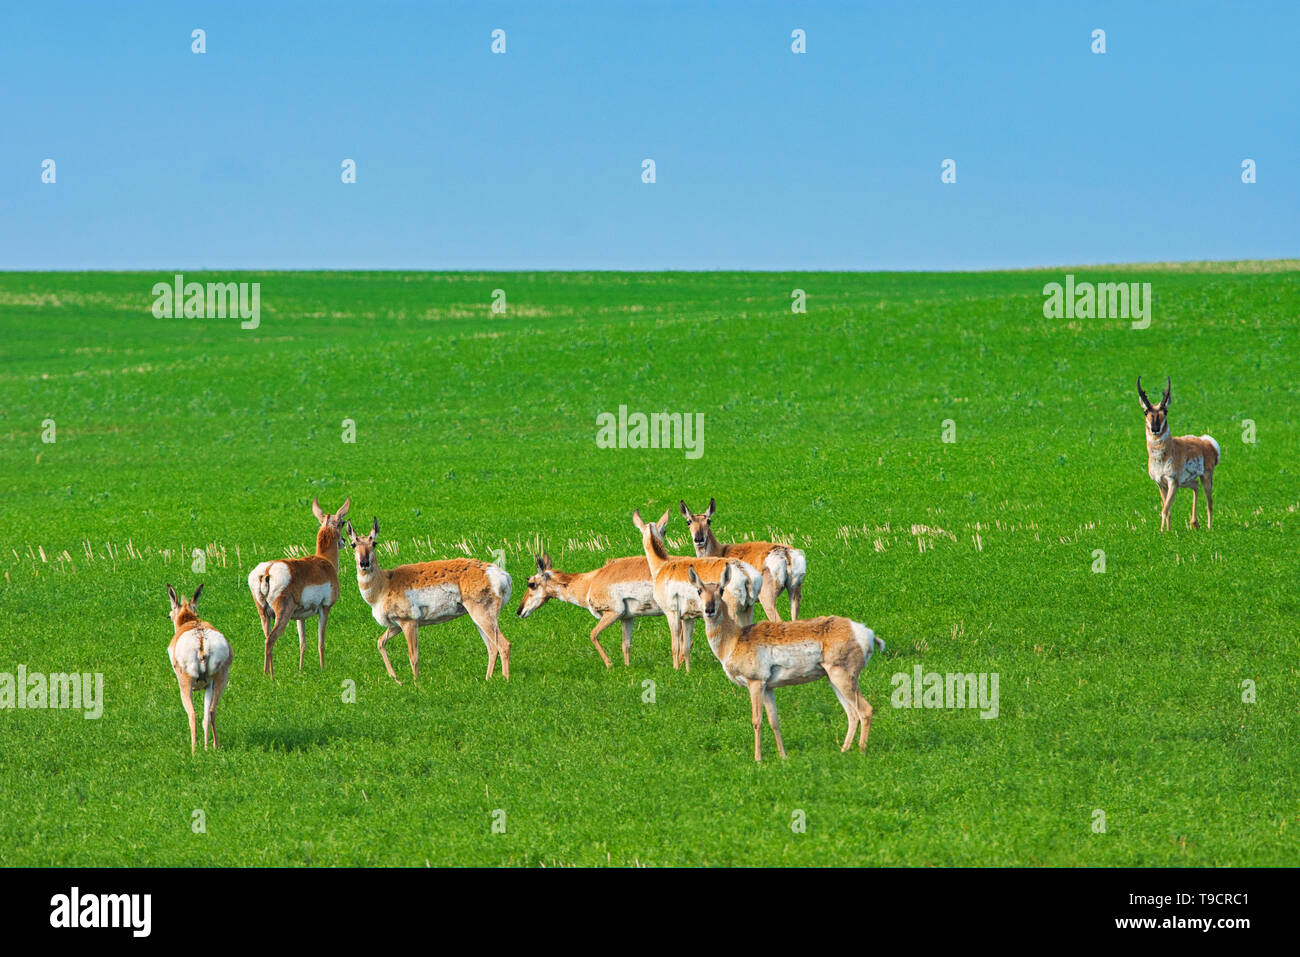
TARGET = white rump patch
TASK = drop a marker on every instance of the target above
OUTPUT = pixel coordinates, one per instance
(500, 582)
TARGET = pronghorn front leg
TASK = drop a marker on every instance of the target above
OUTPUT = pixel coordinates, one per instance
(412, 632)
(383, 651)
(674, 630)
(1166, 523)
(756, 709)
(627, 642)
(688, 637)
(302, 642)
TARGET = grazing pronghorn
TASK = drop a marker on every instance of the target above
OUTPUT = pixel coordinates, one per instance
(783, 566)
(200, 656)
(675, 595)
(620, 590)
(300, 588)
(1177, 462)
(769, 654)
(428, 593)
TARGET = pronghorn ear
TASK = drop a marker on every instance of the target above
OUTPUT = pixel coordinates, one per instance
(171, 593)
(343, 510)
(316, 510)
(695, 579)
(712, 508)
(374, 529)
(544, 562)
(197, 592)
(726, 575)
(663, 520)
(352, 534)
(1142, 397)
(636, 519)
(686, 511)
(1164, 401)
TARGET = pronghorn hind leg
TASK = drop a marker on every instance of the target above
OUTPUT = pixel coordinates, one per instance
(320, 633)
(1207, 482)
(392, 631)
(847, 702)
(607, 619)
(187, 690)
(866, 711)
(485, 621)
(283, 612)
(796, 596)
(756, 712)
(302, 642)
(769, 703)
(1194, 523)
(215, 690)
(627, 642)
(767, 597)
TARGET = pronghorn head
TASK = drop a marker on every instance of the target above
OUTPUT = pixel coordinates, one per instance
(334, 521)
(710, 595)
(700, 525)
(364, 547)
(652, 533)
(1157, 415)
(541, 587)
(182, 610)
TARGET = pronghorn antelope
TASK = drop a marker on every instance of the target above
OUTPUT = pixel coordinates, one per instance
(620, 590)
(428, 593)
(1175, 463)
(300, 588)
(783, 566)
(769, 654)
(200, 656)
(674, 594)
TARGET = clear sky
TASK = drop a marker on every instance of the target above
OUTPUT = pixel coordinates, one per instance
(765, 159)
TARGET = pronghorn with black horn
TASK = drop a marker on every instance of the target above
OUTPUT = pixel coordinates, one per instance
(769, 654)
(783, 566)
(674, 593)
(621, 590)
(1177, 462)
(300, 588)
(428, 593)
(200, 656)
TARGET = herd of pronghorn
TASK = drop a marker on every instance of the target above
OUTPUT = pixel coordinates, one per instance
(721, 584)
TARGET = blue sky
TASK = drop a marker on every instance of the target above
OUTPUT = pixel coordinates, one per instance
(532, 160)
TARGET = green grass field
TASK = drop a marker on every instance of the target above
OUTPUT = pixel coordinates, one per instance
(1120, 691)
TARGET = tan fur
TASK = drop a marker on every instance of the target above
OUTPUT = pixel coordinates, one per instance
(620, 590)
(1175, 462)
(770, 654)
(386, 591)
(706, 544)
(674, 570)
(319, 569)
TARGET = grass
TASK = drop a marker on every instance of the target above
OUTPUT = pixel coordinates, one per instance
(1119, 691)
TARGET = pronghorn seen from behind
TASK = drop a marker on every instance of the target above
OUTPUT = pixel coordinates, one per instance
(1177, 462)
(769, 654)
(200, 656)
(674, 593)
(300, 588)
(620, 590)
(427, 593)
(783, 566)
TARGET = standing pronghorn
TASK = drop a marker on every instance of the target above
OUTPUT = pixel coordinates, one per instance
(674, 593)
(300, 588)
(769, 654)
(200, 656)
(783, 566)
(428, 593)
(620, 590)
(1175, 463)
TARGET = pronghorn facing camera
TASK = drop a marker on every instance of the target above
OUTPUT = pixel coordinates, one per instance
(200, 656)
(620, 590)
(300, 588)
(769, 654)
(1177, 462)
(783, 566)
(428, 593)
(674, 593)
